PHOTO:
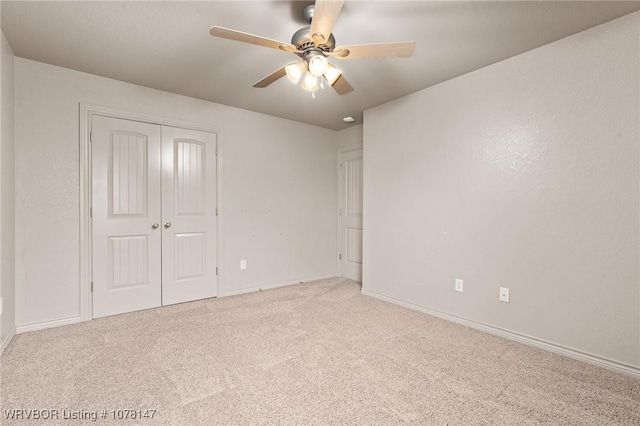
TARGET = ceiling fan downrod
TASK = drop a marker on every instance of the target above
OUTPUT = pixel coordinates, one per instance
(307, 12)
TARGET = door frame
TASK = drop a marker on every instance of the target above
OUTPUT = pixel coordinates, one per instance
(341, 151)
(87, 111)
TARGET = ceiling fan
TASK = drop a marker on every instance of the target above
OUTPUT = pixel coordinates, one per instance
(314, 44)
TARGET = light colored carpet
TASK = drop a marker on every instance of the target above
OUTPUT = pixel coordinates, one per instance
(315, 353)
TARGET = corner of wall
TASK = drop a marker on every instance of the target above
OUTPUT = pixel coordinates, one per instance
(7, 194)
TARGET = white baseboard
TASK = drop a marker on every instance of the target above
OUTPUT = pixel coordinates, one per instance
(276, 285)
(7, 340)
(596, 360)
(48, 324)
(73, 320)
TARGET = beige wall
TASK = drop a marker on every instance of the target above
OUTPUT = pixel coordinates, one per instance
(278, 187)
(349, 136)
(524, 174)
(7, 185)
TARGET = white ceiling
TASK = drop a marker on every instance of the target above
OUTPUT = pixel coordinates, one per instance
(167, 46)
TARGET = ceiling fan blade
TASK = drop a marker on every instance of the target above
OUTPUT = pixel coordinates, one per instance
(271, 78)
(250, 38)
(290, 48)
(325, 15)
(375, 50)
(342, 86)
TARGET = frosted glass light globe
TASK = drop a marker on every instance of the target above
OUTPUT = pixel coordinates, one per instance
(310, 82)
(318, 65)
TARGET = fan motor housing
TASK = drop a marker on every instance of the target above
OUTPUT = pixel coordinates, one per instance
(302, 41)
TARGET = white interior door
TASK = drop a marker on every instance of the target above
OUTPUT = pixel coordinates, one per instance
(126, 208)
(188, 215)
(351, 214)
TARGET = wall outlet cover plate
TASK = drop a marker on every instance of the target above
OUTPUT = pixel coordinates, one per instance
(504, 294)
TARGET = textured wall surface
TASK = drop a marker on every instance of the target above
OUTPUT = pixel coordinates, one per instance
(524, 174)
(7, 186)
(350, 136)
(278, 187)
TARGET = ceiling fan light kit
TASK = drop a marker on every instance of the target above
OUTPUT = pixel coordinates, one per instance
(309, 73)
(318, 64)
(311, 83)
(314, 44)
(295, 71)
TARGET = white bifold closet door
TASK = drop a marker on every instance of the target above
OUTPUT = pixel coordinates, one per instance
(154, 215)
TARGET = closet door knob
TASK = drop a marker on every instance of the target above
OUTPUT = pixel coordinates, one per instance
(167, 225)
(155, 225)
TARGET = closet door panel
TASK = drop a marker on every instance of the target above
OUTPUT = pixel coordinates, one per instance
(126, 203)
(189, 215)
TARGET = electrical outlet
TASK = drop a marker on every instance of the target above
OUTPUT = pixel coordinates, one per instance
(504, 294)
(243, 264)
(459, 286)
